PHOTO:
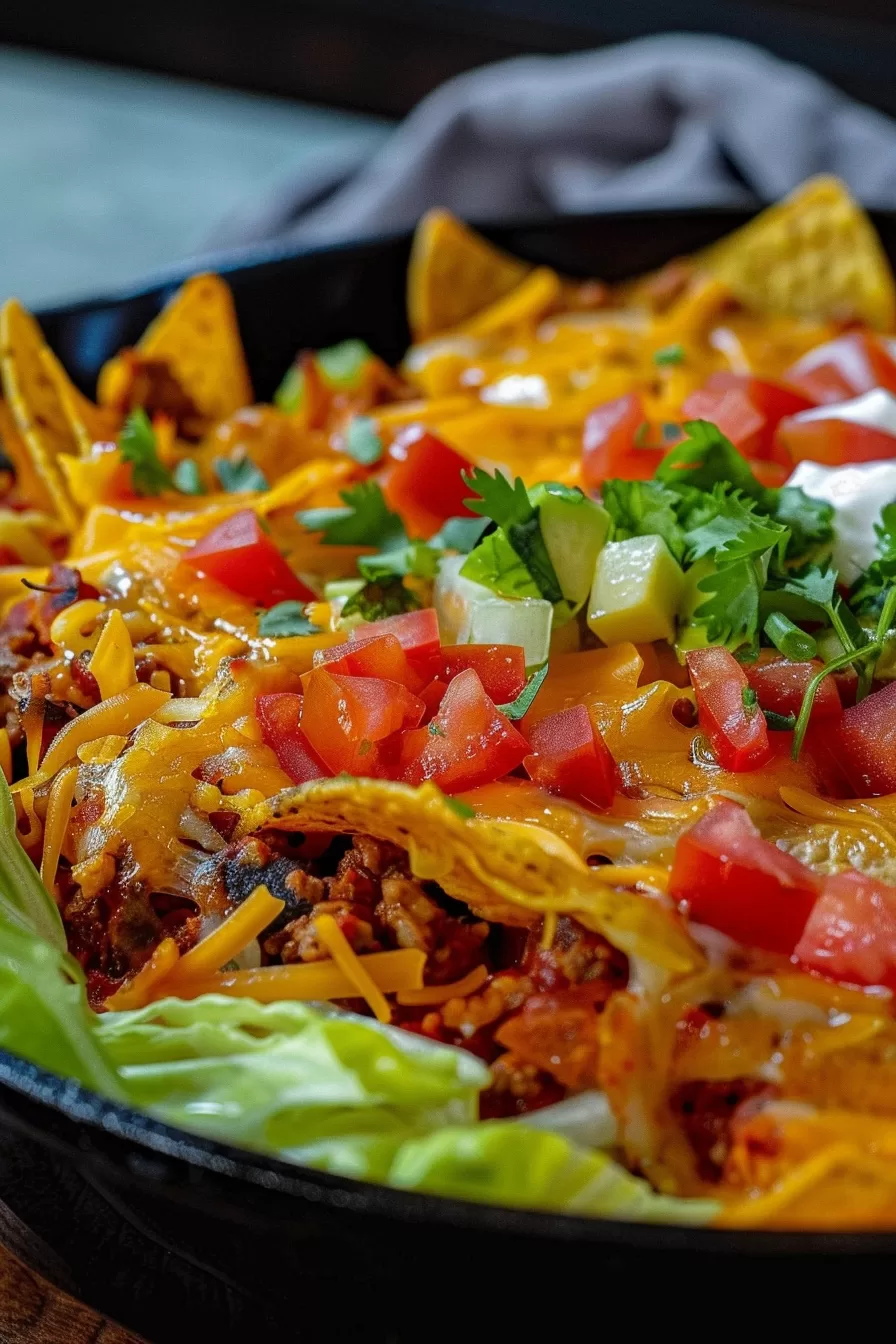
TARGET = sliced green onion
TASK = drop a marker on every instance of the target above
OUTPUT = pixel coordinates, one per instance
(779, 723)
(789, 639)
(750, 700)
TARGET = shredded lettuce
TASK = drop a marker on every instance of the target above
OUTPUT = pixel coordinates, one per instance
(306, 1083)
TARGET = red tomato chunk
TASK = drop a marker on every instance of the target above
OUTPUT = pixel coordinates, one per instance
(379, 656)
(612, 443)
(864, 743)
(346, 719)
(834, 443)
(279, 716)
(851, 933)
(733, 412)
(424, 481)
(740, 884)
(240, 555)
(737, 733)
(781, 685)
(467, 743)
(500, 667)
(843, 368)
(570, 757)
(416, 631)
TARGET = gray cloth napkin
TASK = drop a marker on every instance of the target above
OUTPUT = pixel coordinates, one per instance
(666, 121)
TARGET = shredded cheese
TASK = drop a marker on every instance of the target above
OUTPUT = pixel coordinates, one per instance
(389, 971)
(112, 661)
(141, 990)
(118, 715)
(435, 994)
(348, 961)
(549, 930)
(59, 807)
(6, 755)
(632, 874)
(225, 942)
(74, 630)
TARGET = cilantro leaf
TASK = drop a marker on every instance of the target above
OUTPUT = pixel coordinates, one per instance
(138, 445)
(515, 709)
(286, 618)
(187, 478)
(642, 508)
(507, 505)
(814, 585)
(376, 600)
(705, 458)
(362, 442)
(240, 477)
(495, 564)
(416, 557)
(510, 507)
(366, 520)
(670, 354)
(731, 611)
(341, 365)
(810, 520)
(869, 590)
(735, 531)
(459, 534)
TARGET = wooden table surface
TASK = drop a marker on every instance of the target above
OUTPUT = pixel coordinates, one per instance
(32, 1311)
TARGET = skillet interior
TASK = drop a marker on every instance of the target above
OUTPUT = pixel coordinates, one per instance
(155, 1226)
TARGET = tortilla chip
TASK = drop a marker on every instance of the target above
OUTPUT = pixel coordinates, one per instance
(814, 255)
(37, 412)
(88, 422)
(453, 274)
(197, 336)
(509, 872)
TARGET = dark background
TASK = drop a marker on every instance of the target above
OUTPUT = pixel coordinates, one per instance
(382, 57)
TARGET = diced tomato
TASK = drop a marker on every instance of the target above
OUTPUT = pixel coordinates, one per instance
(833, 442)
(851, 933)
(501, 667)
(612, 443)
(239, 554)
(570, 757)
(780, 686)
(345, 719)
(772, 400)
(433, 695)
(843, 368)
(379, 656)
(864, 743)
(424, 481)
(736, 732)
(467, 743)
(416, 631)
(279, 716)
(732, 411)
(740, 884)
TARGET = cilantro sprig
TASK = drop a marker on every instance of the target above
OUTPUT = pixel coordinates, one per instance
(139, 446)
(508, 505)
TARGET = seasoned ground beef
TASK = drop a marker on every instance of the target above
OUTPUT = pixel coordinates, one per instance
(705, 1111)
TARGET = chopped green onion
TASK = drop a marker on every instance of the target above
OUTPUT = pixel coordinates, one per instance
(835, 665)
(670, 354)
(789, 639)
(750, 700)
(779, 723)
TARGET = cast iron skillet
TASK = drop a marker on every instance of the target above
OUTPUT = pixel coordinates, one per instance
(182, 1237)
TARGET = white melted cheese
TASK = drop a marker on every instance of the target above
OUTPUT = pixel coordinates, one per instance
(857, 493)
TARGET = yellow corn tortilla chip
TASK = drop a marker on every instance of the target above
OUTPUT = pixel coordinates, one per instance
(454, 274)
(37, 411)
(506, 871)
(88, 422)
(813, 255)
(197, 336)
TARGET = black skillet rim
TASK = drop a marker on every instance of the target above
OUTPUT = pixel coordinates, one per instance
(85, 1123)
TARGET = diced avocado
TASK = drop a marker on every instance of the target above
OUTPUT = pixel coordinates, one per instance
(574, 529)
(636, 592)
